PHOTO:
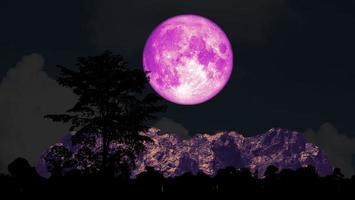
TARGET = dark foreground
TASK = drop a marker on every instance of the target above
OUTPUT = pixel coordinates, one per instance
(24, 180)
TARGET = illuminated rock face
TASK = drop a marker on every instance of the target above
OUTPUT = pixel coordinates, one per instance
(209, 153)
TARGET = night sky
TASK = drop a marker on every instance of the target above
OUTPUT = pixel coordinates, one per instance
(294, 67)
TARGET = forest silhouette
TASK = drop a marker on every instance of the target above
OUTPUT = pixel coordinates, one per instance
(23, 179)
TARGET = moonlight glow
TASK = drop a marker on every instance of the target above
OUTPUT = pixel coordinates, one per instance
(189, 58)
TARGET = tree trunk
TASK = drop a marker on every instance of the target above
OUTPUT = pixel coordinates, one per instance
(105, 149)
(105, 140)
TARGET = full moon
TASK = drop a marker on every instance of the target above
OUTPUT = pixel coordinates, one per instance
(188, 59)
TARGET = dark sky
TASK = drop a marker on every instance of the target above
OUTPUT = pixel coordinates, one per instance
(294, 60)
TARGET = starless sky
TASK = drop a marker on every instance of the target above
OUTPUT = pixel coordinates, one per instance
(294, 63)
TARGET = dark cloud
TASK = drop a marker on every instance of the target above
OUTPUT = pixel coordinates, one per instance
(26, 95)
(339, 148)
(167, 125)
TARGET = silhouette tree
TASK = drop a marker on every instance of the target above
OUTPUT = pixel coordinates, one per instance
(112, 103)
(225, 179)
(25, 176)
(59, 158)
(337, 174)
(271, 172)
(20, 168)
(149, 181)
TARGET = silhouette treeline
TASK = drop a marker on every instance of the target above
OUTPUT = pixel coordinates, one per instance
(23, 179)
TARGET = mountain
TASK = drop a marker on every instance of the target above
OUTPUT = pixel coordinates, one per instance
(209, 153)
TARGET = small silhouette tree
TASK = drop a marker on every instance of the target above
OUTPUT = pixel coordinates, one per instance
(112, 103)
(59, 158)
(271, 172)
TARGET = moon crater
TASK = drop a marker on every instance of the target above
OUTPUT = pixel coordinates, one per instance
(189, 59)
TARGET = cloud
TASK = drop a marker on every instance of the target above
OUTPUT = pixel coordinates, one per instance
(27, 93)
(339, 148)
(170, 126)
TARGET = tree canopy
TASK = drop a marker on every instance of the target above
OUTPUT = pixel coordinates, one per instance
(112, 102)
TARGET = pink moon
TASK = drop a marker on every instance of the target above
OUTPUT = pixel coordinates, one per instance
(188, 59)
